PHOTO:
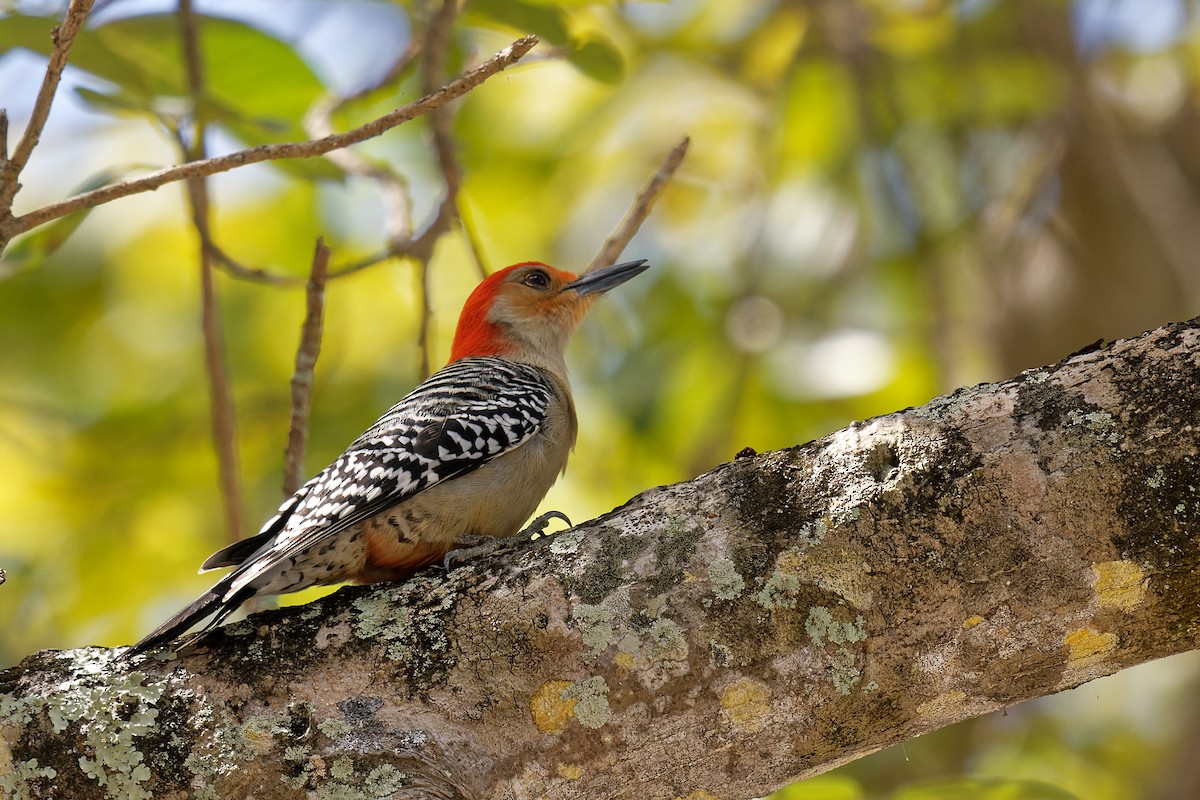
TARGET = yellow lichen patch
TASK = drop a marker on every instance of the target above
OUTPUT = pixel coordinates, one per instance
(744, 704)
(971, 621)
(570, 771)
(1119, 584)
(550, 706)
(942, 706)
(625, 660)
(698, 794)
(1086, 644)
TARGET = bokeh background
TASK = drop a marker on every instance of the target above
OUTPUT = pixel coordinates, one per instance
(884, 200)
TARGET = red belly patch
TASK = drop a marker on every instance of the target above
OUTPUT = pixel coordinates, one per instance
(389, 559)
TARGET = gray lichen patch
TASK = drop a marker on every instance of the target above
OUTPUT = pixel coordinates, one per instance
(415, 635)
(109, 711)
(665, 641)
(822, 627)
(609, 565)
(674, 553)
(727, 583)
(595, 629)
(229, 742)
(779, 591)
(17, 778)
(343, 778)
(814, 533)
(591, 708)
(1100, 423)
(566, 543)
(379, 619)
(843, 671)
(334, 728)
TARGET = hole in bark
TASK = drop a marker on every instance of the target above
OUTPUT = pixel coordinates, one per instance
(883, 461)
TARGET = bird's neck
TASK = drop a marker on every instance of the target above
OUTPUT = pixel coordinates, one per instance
(482, 337)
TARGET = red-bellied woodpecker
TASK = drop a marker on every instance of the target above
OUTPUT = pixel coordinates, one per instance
(470, 452)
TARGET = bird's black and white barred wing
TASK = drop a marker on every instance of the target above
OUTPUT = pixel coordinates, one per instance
(465, 415)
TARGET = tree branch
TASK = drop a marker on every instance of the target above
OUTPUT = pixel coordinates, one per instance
(63, 37)
(642, 205)
(272, 152)
(224, 424)
(768, 620)
(302, 377)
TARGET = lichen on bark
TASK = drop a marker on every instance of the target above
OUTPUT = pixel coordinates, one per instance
(768, 620)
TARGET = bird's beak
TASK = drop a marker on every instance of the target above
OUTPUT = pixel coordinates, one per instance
(601, 280)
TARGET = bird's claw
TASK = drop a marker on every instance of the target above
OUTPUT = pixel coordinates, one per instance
(534, 529)
(486, 545)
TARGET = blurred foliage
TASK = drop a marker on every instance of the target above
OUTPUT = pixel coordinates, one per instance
(885, 199)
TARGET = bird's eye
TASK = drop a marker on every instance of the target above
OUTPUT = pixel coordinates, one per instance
(537, 280)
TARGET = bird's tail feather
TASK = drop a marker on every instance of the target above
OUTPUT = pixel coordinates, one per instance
(213, 603)
(237, 553)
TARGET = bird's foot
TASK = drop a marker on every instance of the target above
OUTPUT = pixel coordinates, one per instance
(475, 546)
(534, 530)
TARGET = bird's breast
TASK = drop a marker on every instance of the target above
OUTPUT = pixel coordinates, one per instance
(494, 500)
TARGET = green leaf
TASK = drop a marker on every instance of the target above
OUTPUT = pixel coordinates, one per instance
(599, 60)
(31, 251)
(594, 57)
(256, 85)
(548, 22)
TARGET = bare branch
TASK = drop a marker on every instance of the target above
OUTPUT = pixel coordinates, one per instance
(343, 270)
(224, 425)
(640, 209)
(222, 411)
(769, 620)
(236, 269)
(437, 38)
(302, 377)
(318, 123)
(3, 139)
(63, 37)
(274, 152)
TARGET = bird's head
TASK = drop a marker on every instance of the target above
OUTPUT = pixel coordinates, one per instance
(529, 311)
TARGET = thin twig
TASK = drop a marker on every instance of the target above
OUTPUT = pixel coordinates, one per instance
(236, 269)
(424, 370)
(318, 122)
(3, 139)
(62, 37)
(224, 426)
(437, 40)
(274, 152)
(343, 270)
(302, 377)
(640, 209)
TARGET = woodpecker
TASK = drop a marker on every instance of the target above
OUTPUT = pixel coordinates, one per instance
(468, 453)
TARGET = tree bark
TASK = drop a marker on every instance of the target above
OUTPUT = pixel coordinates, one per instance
(769, 620)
